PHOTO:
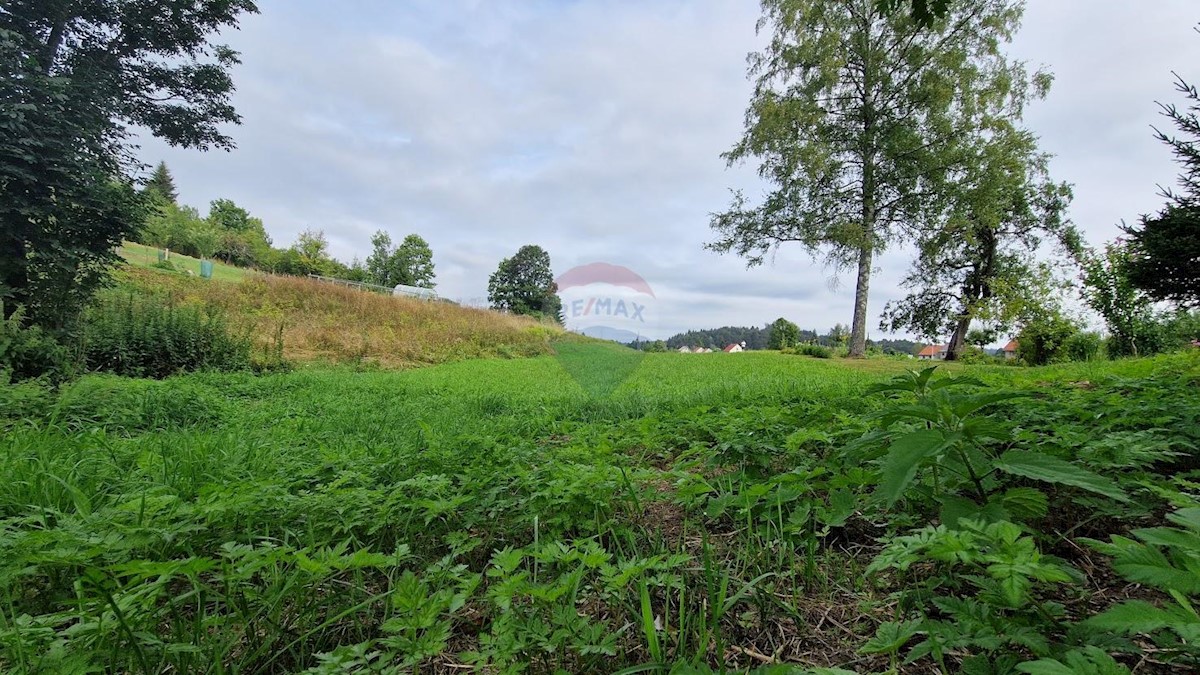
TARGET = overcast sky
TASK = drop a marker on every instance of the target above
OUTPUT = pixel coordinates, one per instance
(594, 127)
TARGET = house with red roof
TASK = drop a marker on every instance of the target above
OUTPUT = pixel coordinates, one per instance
(933, 353)
(735, 347)
(1010, 350)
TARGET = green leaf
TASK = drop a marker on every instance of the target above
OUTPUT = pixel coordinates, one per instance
(966, 405)
(1054, 470)
(1134, 616)
(891, 636)
(1147, 565)
(1026, 502)
(904, 457)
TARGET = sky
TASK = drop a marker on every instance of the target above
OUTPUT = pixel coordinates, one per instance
(594, 129)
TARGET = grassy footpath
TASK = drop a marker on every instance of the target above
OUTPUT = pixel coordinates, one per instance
(535, 514)
(139, 255)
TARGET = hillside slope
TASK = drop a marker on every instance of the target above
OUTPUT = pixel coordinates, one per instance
(316, 321)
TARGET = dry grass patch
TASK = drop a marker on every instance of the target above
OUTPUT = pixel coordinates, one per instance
(317, 321)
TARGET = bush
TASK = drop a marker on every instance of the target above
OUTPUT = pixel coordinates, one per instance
(975, 355)
(147, 336)
(809, 349)
(22, 402)
(1084, 346)
(1043, 339)
(28, 352)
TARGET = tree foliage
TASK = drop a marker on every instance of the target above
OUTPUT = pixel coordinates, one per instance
(783, 334)
(977, 264)
(1165, 248)
(1127, 310)
(856, 120)
(73, 77)
(162, 184)
(524, 284)
(410, 263)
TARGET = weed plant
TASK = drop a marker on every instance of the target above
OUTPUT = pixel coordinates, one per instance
(754, 513)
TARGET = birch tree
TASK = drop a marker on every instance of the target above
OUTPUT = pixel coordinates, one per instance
(857, 121)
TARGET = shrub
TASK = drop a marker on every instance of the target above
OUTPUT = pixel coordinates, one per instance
(28, 352)
(1042, 340)
(975, 355)
(815, 351)
(1084, 346)
(149, 336)
(21, 402)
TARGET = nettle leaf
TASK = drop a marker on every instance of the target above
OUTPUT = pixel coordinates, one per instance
(1086, 661)
(966, 405)
(1170, 537)
(891, 636)
(1026, 502)
(1041, 467)
(955, 508)
(904, 457)
(1147, 565)
(1135, 616)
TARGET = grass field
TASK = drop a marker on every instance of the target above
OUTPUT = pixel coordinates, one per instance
(140, 255)
(533, 515)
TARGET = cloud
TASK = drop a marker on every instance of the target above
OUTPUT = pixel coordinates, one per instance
(594, 129)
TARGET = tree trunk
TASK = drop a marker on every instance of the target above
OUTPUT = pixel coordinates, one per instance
(53, 43)
(958, 339)
(14, 283)
(858, 327)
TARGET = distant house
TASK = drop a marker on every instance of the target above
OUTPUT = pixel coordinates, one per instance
(1010, 350)
(735, 347)
(933, 353)
(685, 350)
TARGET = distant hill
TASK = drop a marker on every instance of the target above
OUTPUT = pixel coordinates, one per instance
(609, 333)
(717, 338)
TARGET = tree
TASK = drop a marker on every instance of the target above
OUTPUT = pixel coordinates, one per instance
(856, 119)
(311, 254)
(243, 238)
(981, 337)
(1109, 290)
(162, 184)
(410, 263)
(1044, 336)
(1165, 249)
(414, 260)
(837, 336)
(977, 264)
(783, 334)
(524, 284)
(73, 77)
(379, 263)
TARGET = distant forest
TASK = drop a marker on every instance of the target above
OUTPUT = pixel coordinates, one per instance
(756, 337)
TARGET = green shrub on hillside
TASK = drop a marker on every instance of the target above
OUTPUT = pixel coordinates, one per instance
(146, 336)
(28, 352)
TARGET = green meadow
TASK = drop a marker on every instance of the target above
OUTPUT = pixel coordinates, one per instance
(596, 511)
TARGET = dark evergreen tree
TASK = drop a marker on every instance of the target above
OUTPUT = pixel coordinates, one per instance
(162, 184)
(1165, 248)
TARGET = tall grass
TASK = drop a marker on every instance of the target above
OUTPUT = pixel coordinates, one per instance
(314, 321)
